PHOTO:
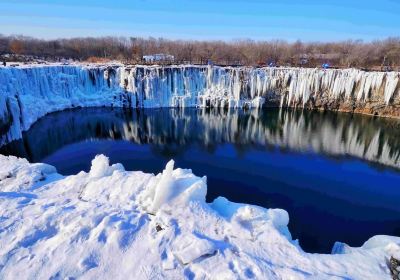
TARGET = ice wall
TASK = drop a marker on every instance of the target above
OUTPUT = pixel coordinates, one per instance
(183, 86)
(28, 93)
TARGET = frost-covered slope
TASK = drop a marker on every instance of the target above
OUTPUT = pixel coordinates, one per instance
(115, 224)
(28, 93)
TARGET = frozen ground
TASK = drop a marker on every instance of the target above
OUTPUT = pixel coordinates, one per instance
(116, 224)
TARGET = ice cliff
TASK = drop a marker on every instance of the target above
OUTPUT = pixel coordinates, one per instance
(27, 93)
(115, 224)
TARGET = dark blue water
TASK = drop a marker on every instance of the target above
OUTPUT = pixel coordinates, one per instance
(337, 175)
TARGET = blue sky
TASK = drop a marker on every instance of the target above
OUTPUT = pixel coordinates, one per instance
(193, 19)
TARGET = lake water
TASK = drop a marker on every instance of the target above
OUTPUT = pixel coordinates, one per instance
(338, 175)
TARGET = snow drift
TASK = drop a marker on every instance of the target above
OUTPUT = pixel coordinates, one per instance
(28, 93)
(115, 224)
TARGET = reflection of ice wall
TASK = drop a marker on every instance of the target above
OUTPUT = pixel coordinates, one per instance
(304, 131)
(335, 138)
(27, 94)
(297, 131)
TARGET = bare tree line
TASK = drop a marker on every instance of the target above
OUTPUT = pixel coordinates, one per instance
(351, 53)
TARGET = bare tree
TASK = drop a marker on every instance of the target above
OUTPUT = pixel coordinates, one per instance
(351, 53)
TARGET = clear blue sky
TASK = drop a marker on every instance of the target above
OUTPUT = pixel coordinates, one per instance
(193, 19)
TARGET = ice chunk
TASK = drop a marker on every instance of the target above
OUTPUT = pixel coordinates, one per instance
(165, 189)
(191, 248)
(242, 212)
(253, 219)
(178, 186)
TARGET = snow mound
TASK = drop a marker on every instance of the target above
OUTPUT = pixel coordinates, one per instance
(251, 219)
(101, 167)
(115, 224)
(391, 244)
(18, 174)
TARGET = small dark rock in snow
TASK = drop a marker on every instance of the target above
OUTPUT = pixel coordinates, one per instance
(159, 228)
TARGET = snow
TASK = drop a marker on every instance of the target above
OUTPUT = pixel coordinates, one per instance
(176, 187)
(101, 167)
(190, 248)
(29, 92)
(115, 224)
(391, 244)
(112, 223)
(158, 57)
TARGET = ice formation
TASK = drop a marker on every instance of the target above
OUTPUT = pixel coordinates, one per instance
(115, 224)
(27, 93)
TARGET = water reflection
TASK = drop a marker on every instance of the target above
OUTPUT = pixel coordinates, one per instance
(171, 131)
(325, 169)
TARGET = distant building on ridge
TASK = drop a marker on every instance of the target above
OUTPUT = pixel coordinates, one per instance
(160, 57)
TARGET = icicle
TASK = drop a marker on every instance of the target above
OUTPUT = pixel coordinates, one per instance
(392, 80)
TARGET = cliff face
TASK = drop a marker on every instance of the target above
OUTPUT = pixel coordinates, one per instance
(345, 90)
(29, 93)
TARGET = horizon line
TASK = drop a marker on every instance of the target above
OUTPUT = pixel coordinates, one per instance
(231, 40)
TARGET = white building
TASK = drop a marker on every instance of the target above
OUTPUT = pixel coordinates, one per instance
(158, 57)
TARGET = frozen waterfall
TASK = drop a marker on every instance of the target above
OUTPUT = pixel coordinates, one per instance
(29, 92)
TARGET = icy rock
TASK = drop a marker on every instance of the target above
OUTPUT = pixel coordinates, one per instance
(394, 266)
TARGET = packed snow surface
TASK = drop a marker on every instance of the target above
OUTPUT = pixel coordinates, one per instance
(115, 224)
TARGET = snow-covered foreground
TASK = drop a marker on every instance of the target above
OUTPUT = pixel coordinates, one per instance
(116, 224)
